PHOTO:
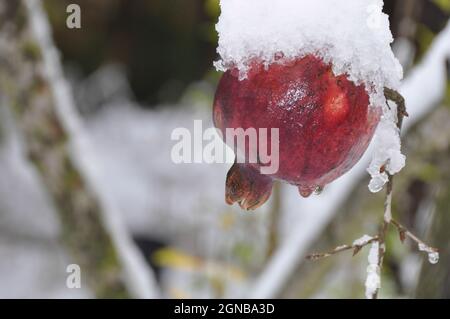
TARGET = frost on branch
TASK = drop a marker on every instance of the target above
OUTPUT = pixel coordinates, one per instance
(387, 158)
(433, 254)
(353, 35)
(364, 240)
(373, 280)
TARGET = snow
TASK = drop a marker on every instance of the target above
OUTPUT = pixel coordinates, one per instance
(32, 256)
(433, 255)
(387, 150)
(353, 35)
(362, 241)
(373, 280)
(387, 141)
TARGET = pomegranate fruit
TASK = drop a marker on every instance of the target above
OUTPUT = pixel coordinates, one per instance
(324, 123)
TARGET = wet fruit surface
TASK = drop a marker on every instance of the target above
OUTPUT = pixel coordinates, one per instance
(325, 125)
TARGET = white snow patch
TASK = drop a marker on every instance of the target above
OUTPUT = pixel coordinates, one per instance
(353, 35)
(363, 240)
(373, 281)
(387, 150)
(433, 255)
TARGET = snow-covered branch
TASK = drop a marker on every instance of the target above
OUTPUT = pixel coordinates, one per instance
(357, 245)
(139, 278)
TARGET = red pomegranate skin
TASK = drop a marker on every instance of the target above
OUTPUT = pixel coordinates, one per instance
(325, 125)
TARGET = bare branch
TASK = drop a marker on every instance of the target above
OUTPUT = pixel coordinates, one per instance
(356, 247)
(433, 253)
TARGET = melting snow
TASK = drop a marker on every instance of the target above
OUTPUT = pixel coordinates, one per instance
(373, 280)
(362, 241)
(387, 150)
(433, 255)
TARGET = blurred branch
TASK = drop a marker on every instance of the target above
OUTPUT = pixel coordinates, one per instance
(57, 147)
(434, 282)
(356, 247)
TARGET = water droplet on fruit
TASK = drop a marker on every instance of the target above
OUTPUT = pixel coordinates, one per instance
(306, 191)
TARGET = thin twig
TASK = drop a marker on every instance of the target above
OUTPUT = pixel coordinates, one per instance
(387, 217)
(356, 247)
(405, 233)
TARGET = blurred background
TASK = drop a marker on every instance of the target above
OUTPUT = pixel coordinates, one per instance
(86, 178)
